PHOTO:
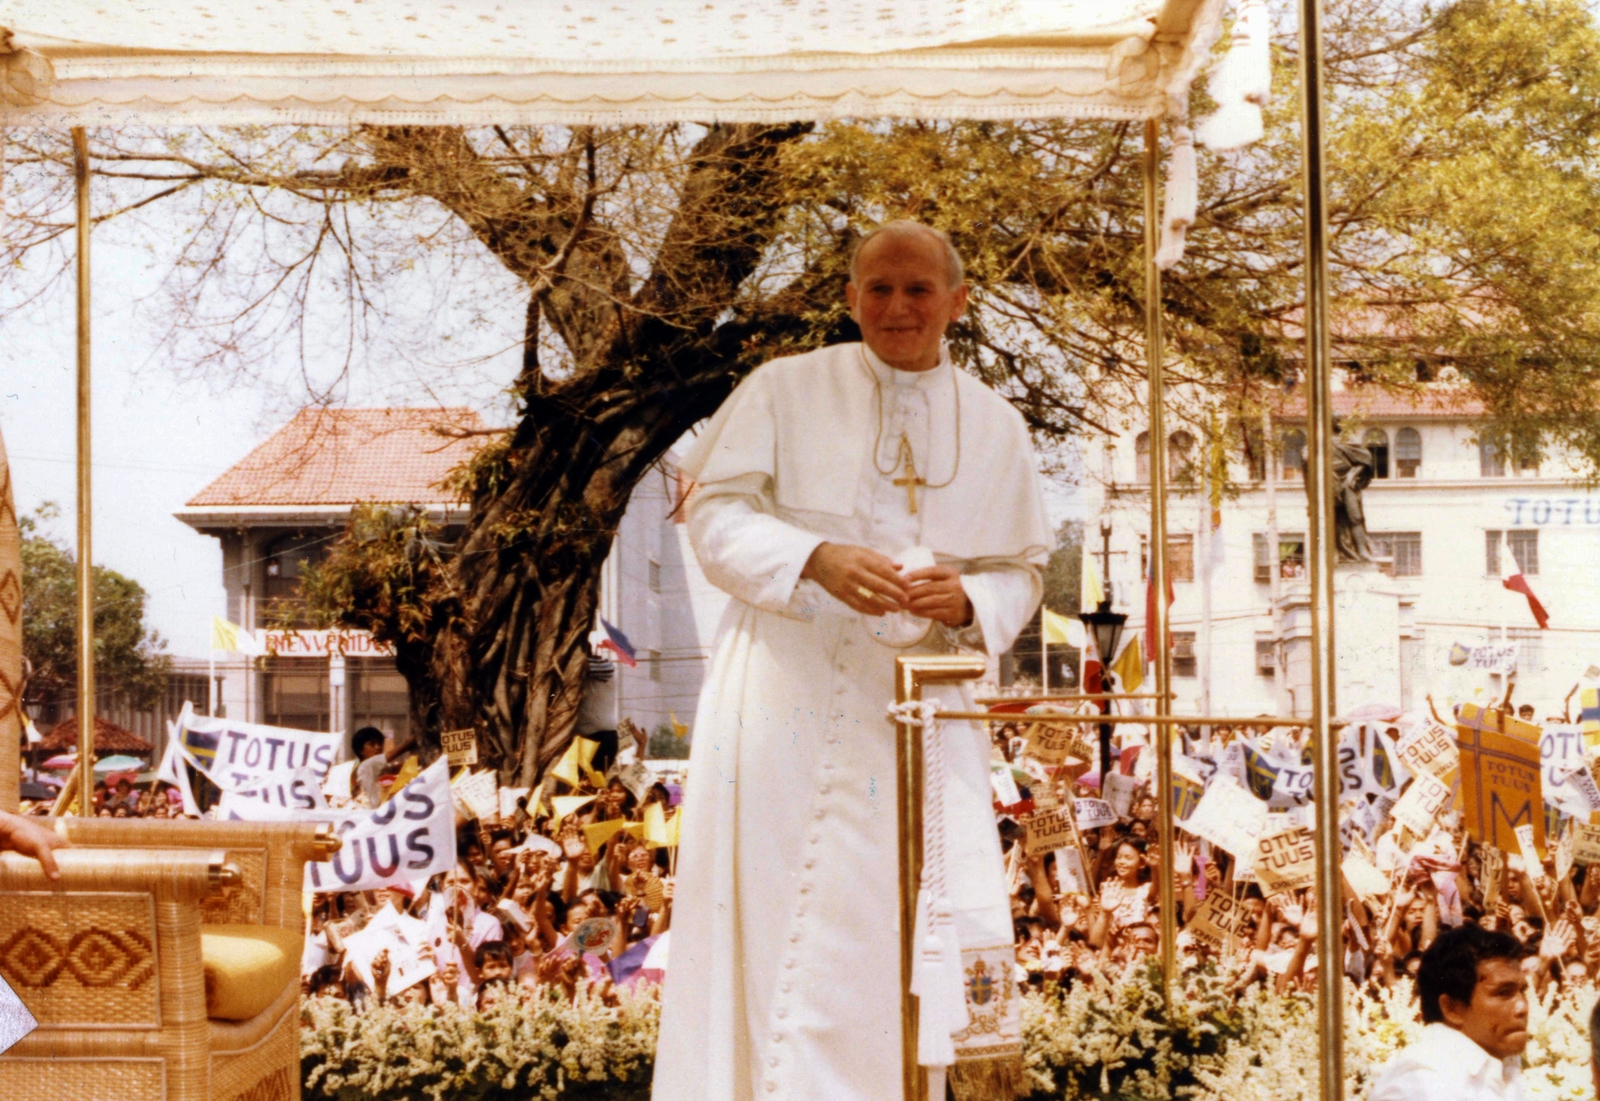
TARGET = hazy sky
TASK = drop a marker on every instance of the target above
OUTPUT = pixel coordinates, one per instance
(159, 439)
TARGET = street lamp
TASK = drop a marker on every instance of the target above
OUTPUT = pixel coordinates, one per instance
(1105, 627)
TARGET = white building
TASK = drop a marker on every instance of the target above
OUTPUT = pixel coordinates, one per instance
(1452, 518)
(284, 504)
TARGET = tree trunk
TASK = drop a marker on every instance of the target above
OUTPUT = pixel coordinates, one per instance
(518, 598)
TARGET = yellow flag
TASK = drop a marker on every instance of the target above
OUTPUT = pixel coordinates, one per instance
(580, 752)
(1093, 592)
(674, 828)
(1129, 666)
(655, 825)
(1060, 630)
(232, 638)
(408, 772)
(679, 729)
(564, 805)
(598, 833)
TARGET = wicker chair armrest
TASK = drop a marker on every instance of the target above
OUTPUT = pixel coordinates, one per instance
(303, 840)
(176, 876)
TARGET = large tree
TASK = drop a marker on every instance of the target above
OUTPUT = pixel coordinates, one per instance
(651, 268)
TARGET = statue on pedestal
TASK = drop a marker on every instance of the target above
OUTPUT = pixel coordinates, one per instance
(1353, 470)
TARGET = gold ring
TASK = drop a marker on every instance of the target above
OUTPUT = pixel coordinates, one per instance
(866, 592)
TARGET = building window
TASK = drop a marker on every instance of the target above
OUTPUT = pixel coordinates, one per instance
(1376, 441)
(1404, 548)
(296, 691)
(1294, 454)
(1183, 663)
(378, 696)
(1266, 656)
(1524, 548)
(1491, 460)
(652, 662)
(1255, 454)
(1407, 453)
(1141, 458)
(654, 568)
(1180, 557)
(1180, 450)
(1291, 556)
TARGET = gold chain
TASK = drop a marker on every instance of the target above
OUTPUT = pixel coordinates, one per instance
(905, 442)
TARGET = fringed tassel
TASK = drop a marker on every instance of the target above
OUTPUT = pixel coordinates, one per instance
(998, 1079)
(934, 1046)
(1242, 84)
(1182, 199)
(955, 986)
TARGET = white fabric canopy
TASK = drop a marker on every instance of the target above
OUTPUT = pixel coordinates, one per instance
(585, 61)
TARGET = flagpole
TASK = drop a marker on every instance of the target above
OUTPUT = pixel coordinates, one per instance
(211, 683)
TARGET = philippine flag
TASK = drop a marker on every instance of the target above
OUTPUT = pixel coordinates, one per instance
(618, 643)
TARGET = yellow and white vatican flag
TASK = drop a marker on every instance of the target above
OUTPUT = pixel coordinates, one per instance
(230, 638)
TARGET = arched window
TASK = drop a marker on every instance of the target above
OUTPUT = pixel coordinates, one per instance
(1180, 454)
(1377, 442)
(1294, 453)
(1407, 453)
(1141, 458)
(1491, 460)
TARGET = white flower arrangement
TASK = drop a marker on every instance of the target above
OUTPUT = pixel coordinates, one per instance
(1108, 1038)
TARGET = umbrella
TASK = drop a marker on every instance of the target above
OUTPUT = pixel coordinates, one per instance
(37, 792)
(61, 761)
(120, 763)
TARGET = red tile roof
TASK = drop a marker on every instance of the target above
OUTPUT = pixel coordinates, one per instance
(344, 456)
(1372, 403)
(108, 738)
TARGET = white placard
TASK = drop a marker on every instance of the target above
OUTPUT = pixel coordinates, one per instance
(1230, 818)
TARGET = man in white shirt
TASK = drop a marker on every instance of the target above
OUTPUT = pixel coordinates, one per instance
(1475, 1006)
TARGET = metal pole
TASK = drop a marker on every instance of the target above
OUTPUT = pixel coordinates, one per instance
(80, 171)
(1044, 655)
(1158, 550)
(1319, 490)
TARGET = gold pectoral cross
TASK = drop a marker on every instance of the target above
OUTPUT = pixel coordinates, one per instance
(910, 479)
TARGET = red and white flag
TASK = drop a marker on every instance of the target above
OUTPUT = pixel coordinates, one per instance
(1519, 584)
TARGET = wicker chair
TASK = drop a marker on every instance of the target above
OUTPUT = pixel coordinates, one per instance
(115, 960)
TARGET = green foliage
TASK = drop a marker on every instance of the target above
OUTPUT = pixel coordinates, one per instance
(128, 659)
(385, 575)
(665, 744)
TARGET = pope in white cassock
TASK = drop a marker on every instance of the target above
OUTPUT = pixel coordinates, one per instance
(817, 480)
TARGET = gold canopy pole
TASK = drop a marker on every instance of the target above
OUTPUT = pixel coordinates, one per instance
(1158, 549)
(911, 674)
(85, 771)
(1319, 490)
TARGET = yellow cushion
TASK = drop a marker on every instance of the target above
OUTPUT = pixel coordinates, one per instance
(247, 967)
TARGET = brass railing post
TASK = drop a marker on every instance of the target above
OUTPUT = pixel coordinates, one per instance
(1323, 554)
(1156, 631)
(80, 169)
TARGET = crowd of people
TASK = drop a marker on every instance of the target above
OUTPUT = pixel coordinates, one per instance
(540, 903)
(1067, 930)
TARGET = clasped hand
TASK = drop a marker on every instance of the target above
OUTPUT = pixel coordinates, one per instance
(869, 583)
